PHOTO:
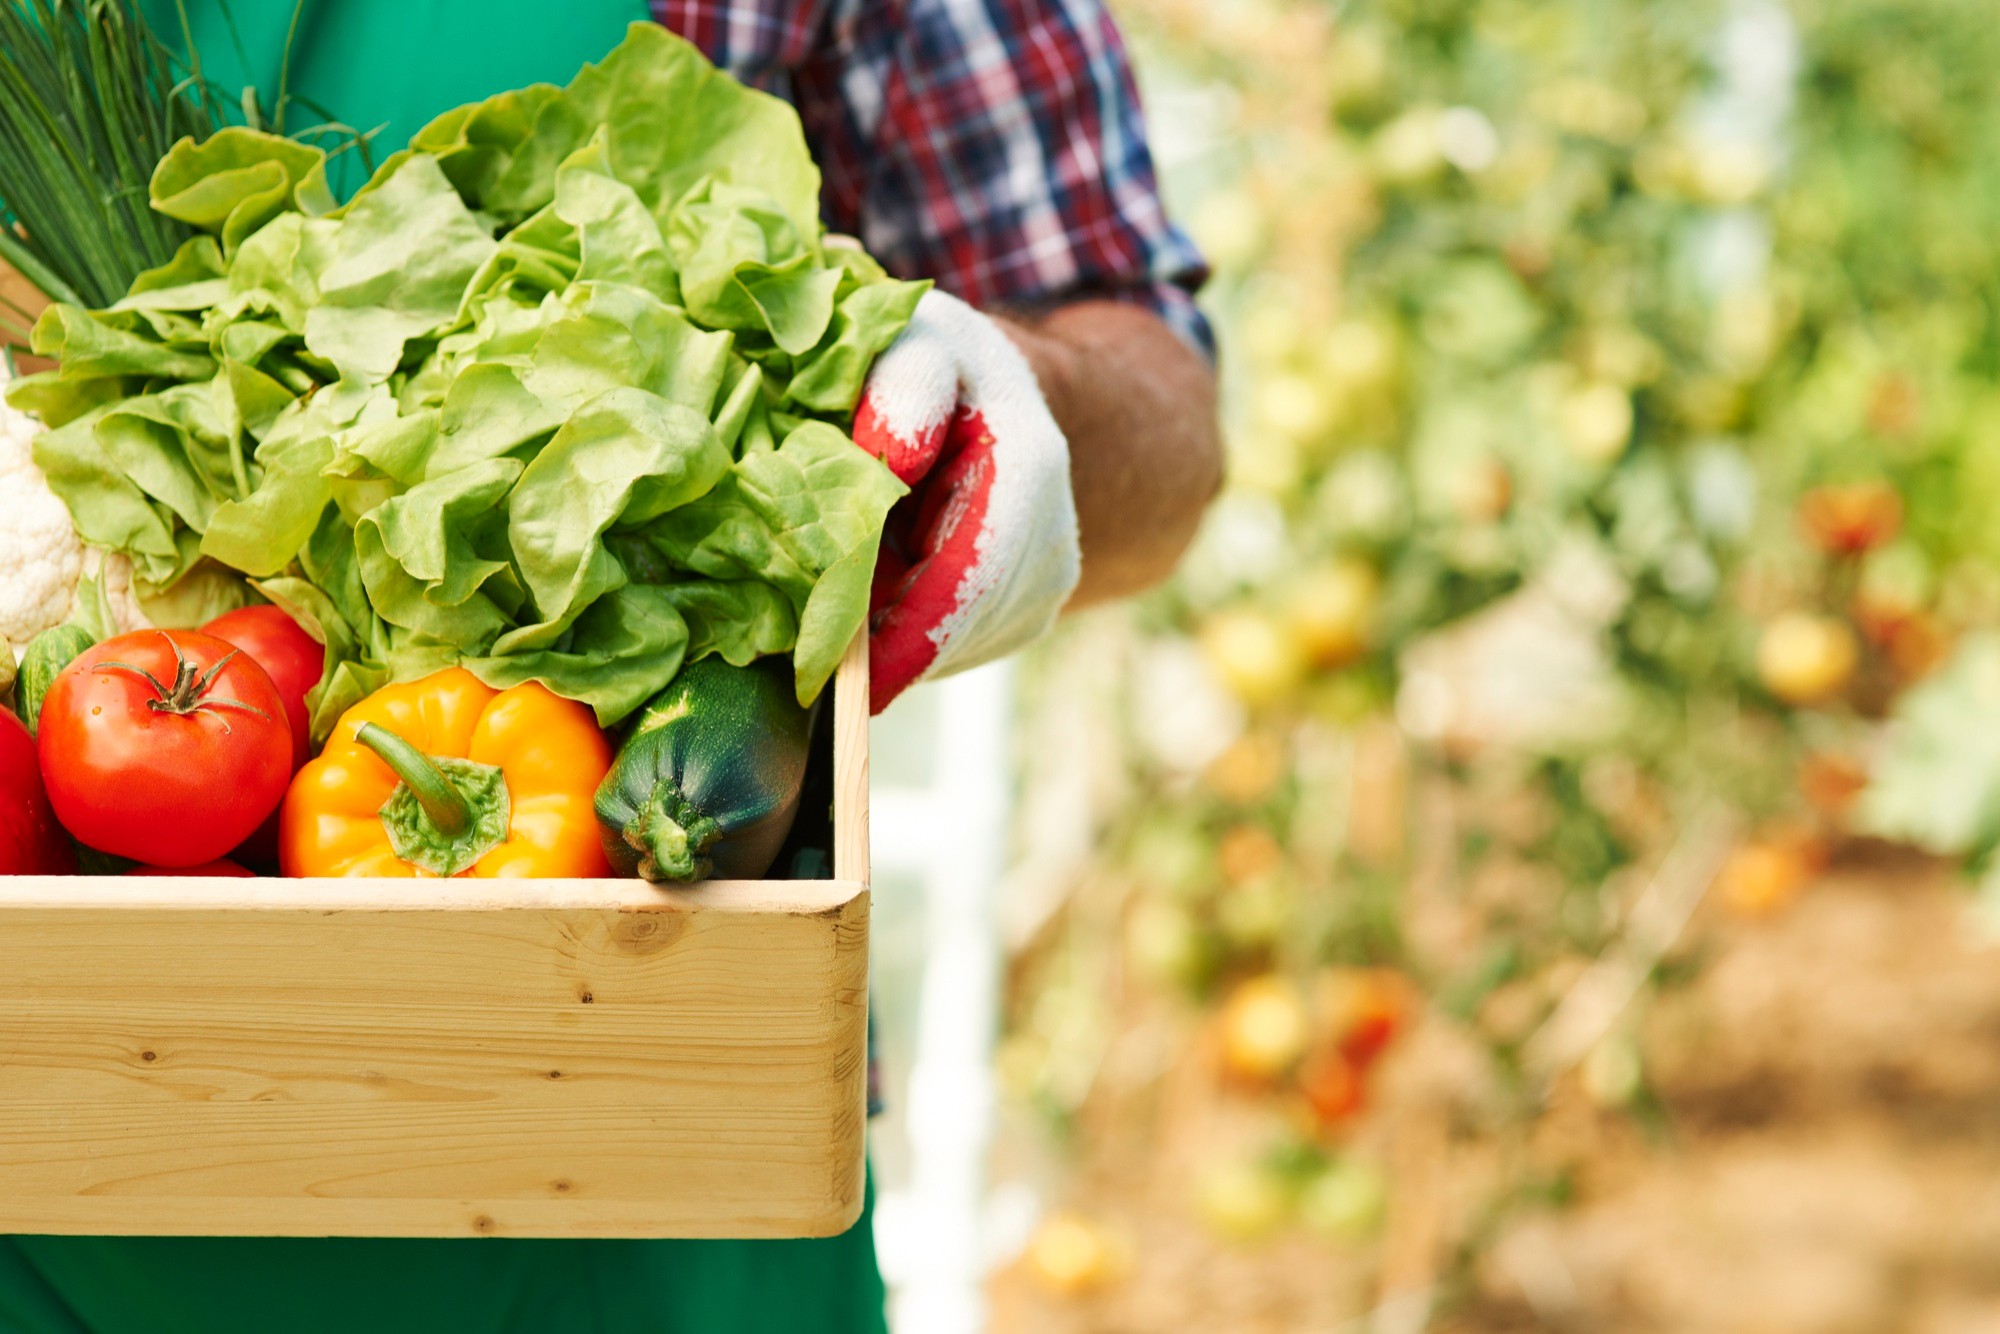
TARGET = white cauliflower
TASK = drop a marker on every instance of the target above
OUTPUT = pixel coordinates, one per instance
(41, 556)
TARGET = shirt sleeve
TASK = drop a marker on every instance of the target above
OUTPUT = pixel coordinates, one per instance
(996, 146)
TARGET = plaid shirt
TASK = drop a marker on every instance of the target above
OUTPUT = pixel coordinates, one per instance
(993, 145)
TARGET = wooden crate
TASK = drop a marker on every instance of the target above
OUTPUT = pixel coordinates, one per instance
(546, 1058)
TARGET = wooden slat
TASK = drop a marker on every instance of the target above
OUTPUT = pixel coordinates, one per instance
(19, 300)
(19, 292)
(850, 763)
(433, 1058)
(556, 1216)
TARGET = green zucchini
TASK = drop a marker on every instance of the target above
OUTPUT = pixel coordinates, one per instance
(47, 654)
(707, 782)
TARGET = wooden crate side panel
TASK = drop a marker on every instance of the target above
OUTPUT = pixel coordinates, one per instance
(691, 1069)
(850, 764)
(396, 959)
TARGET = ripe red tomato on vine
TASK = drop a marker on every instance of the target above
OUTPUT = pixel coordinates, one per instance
(165, 746)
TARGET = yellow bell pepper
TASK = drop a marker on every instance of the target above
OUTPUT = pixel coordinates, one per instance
(447, 776)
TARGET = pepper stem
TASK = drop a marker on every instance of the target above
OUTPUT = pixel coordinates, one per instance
(444, 805)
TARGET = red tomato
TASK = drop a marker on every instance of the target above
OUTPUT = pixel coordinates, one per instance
(165, 746)
(31, 842)
(220, 866)
(1367, 1008)
(292, 659)
(1845, 520)
(1333, 1085)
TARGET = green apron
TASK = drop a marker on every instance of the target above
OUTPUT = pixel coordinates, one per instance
(402, 62)
(392, 63)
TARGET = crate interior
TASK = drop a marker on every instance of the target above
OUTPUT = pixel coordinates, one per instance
(808, 850)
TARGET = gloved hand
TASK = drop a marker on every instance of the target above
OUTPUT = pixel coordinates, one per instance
(982, 554)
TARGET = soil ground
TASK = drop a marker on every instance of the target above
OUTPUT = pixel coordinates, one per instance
(1816, 1150)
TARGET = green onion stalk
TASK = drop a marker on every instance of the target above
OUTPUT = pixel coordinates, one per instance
(90, 100)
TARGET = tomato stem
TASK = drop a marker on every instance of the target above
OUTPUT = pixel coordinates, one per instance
(443, 803)
(189, 692)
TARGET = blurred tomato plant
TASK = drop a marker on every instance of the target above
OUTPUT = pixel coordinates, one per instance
(1610, 391)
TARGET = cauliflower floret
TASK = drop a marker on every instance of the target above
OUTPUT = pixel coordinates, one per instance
(41, 556)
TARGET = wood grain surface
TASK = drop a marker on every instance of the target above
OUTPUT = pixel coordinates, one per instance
(19, 293)
(439, 1058)
(20, 303)
(850, 768)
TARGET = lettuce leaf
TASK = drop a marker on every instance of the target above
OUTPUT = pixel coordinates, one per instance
(620, 652)
(420, 555)
(805, 518)
(174, 445)
(237, 180)
(626, 456)
(108, 507)
(97, 343)
(742, 619)
(404, 256)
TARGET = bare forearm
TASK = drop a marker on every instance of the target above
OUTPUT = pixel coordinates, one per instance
(1138, 408)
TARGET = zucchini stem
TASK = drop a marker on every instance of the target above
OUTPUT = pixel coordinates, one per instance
(672, 837)
(444, 805)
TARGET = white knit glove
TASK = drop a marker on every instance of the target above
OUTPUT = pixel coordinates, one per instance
(982, 554)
